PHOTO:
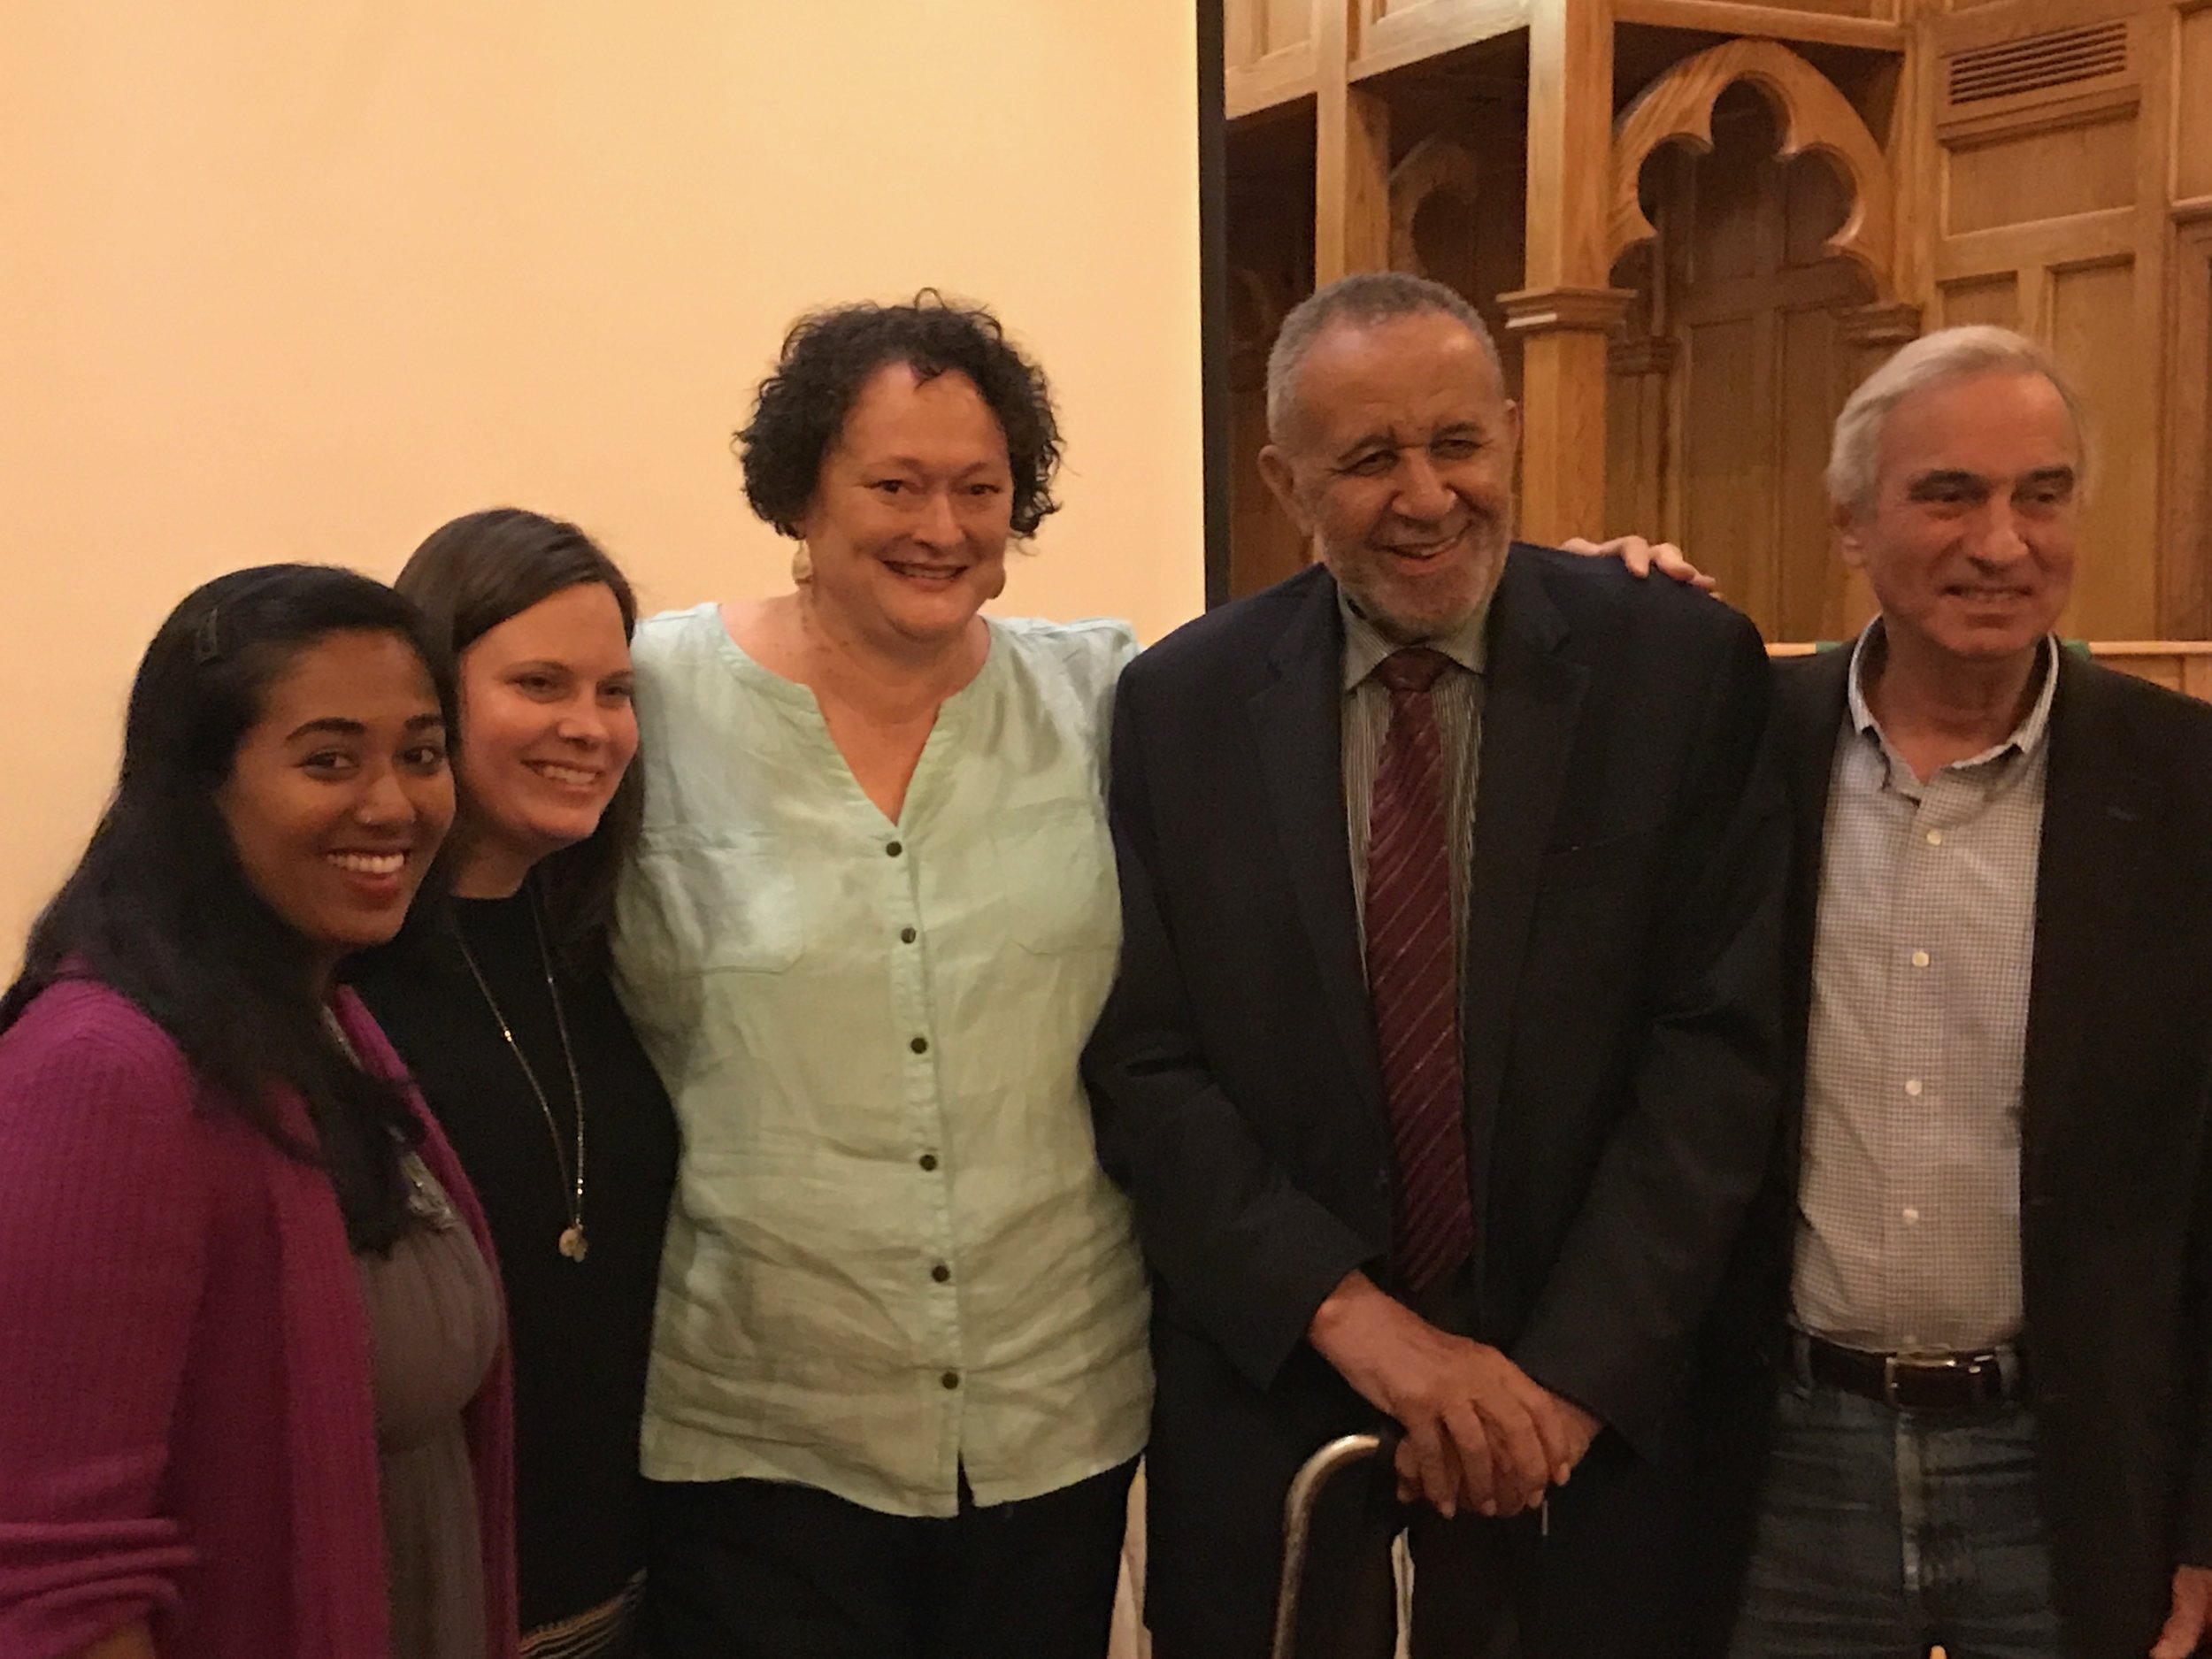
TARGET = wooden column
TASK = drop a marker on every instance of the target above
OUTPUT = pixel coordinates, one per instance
(1351, 185)
(1567, 309)
(1565, 334)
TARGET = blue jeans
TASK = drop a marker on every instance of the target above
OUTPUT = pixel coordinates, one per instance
(1882, 1533)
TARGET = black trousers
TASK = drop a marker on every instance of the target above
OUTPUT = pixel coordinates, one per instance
(765, 1570)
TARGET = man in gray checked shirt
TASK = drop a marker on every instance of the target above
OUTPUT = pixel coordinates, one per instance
(1962, 1379)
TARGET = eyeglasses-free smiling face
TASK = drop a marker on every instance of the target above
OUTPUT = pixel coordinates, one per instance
(339, 794)
(548, 725)
(908, 528)
(1398, 461)
(1970, 541)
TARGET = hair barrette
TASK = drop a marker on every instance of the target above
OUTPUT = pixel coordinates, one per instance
(209, 644)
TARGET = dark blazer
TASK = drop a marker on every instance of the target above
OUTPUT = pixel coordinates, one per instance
(1620, 1019)
(2116, 1203)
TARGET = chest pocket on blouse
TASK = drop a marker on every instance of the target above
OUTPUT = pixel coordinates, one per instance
(709, 901)
(1058, 891)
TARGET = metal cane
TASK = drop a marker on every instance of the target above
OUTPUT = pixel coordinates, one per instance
(1306, 1490)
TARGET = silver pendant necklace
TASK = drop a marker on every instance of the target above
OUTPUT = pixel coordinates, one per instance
(573, 1242)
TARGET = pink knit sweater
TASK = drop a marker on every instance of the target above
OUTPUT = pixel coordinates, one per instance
(187, 1431)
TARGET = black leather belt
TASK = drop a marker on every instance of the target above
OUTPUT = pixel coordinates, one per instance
(1916, 1380)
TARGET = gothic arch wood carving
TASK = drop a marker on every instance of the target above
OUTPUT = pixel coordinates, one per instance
(1435, 166)
(1258, 306)
(1812, 116)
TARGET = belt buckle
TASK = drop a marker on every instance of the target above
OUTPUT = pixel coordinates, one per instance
(1912, 1361)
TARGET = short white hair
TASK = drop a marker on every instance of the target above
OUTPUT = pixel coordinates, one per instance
(1854, 453)
(1361, 300)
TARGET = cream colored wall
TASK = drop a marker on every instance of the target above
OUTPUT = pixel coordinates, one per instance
(303, 281)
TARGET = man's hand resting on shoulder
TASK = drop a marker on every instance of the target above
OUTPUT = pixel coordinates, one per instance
(1642, 557)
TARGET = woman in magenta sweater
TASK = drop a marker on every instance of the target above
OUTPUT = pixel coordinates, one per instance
(250, 1351)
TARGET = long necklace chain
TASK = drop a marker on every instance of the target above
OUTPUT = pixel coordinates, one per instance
(573, 1242)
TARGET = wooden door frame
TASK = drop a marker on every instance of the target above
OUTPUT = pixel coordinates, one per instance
(1213, 295)
(2184, 584)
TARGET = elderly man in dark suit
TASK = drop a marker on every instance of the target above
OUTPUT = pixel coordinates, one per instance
(1444, 1053)
(1962, 1377)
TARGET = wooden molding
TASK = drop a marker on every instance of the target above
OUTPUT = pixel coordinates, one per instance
(2104, 233)
(1389, 41)
(2193, 210)
(1436, 164)
(1565, 310)
(2045, 114)
(1733, 17)
(1813, 115)
(1647, 354)
(1890, 324)
(1278, 78)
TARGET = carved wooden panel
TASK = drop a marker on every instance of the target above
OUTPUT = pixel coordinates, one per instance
(2039, 175)
(2193, 157)
(1757, 313)
(2185, 548)
(1993, 299)
(1813, 119)
(2081, 69)
(1269, 51)
(1271, 213)
(1391, 33)
(1439, 172)
(1253, 30)
(2093, 330)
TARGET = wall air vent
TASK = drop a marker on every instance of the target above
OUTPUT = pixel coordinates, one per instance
(2041, 63)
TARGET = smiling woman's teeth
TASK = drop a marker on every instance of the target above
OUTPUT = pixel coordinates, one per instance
(370, 864)
(563, 774)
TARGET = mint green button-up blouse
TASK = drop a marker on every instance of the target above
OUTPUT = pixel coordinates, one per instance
(892, 1256)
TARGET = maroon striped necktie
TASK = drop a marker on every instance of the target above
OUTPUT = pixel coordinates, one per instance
(1413, 977)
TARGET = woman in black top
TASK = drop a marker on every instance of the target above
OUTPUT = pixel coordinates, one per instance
(498, 1000)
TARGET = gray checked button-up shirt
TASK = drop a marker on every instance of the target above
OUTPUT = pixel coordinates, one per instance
(1909, 1198)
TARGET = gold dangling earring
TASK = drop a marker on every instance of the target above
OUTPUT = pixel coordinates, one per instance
(802, 565)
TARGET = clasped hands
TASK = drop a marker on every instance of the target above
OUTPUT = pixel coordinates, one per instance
(1480, 1433)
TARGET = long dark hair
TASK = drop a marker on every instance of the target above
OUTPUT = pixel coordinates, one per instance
(467, 578)
(160, 908)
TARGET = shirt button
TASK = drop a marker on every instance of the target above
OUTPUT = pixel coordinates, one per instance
(951, 1380)
(1912, 1086)
(920, 1045)
(1911, 1214)
(906, 935)
(895, 847)
(1919, 958)
(941, 1273)
(928, 1160)
(1935, 838)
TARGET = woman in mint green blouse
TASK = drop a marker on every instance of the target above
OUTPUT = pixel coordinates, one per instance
(899, 1377)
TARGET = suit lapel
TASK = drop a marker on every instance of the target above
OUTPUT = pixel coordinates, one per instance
(1297, 723)
(2098, 802)
(1531, 700)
